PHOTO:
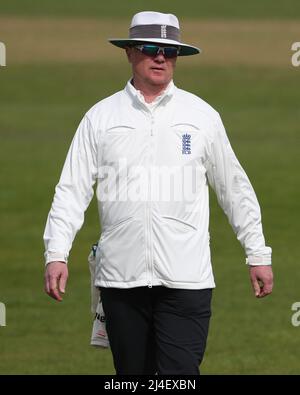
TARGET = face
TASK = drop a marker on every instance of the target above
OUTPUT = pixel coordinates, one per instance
(156, 71)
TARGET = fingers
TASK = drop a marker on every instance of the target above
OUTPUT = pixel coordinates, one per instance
(54, 293)
(62, 283)
(55, 279)
(50, 286)
(262, 280)
(266, 289)
(256, 287)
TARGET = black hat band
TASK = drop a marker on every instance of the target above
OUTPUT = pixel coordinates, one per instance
(155, 31)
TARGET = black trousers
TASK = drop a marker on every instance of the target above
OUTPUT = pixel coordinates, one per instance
(157, 330)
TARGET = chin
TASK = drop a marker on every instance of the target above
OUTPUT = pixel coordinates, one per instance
(159, 81)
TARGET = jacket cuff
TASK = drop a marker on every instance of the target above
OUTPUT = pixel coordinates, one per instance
(263, 260)
(55, 256)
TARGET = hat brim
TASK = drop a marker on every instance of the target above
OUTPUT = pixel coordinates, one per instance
(185, 49)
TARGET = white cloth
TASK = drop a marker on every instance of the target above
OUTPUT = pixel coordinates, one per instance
(147, 239)
(99, 336)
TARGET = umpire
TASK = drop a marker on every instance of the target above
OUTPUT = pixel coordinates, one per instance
(152, 149)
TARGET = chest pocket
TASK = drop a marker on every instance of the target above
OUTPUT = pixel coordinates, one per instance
(180, 144)
(186, 137)
(120, 130)
(119, 143)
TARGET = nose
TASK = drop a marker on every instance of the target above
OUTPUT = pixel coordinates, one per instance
(160, 57)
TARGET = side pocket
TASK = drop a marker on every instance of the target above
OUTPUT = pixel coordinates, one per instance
(114, 226)
(178, 222)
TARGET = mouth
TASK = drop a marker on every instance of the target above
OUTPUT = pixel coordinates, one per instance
(157, 68)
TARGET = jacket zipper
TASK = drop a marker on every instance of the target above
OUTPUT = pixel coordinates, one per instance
(149, 212)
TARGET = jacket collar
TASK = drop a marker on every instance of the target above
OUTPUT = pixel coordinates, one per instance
(137, 96)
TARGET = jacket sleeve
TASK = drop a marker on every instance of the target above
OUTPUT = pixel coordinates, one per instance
(236, 196)
(73, 194)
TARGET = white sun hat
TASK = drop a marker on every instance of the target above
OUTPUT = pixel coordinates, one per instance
(155, 27)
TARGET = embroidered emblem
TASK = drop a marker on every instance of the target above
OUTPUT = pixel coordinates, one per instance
(163, 31)
(186, 144)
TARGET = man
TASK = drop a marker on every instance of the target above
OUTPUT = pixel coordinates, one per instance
(153, 148)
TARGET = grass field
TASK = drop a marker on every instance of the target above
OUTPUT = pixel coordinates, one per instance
(266, 9)
(52, 77)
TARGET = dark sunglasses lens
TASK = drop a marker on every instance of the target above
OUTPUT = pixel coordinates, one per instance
(150, 50)
(170, 52)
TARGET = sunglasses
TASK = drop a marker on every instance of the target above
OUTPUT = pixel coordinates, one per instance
(154, 50)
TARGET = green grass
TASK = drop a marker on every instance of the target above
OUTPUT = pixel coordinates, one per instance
(119, 8)
(40, 107)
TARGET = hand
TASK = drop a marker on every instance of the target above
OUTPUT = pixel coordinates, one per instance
(262, 280)
(56, 276)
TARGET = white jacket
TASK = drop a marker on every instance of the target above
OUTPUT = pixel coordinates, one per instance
(138, 153)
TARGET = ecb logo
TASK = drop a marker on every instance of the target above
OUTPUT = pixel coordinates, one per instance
(2, 54)
(2, 314)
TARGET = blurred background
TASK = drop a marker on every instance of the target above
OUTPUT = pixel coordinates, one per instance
(58, 64)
